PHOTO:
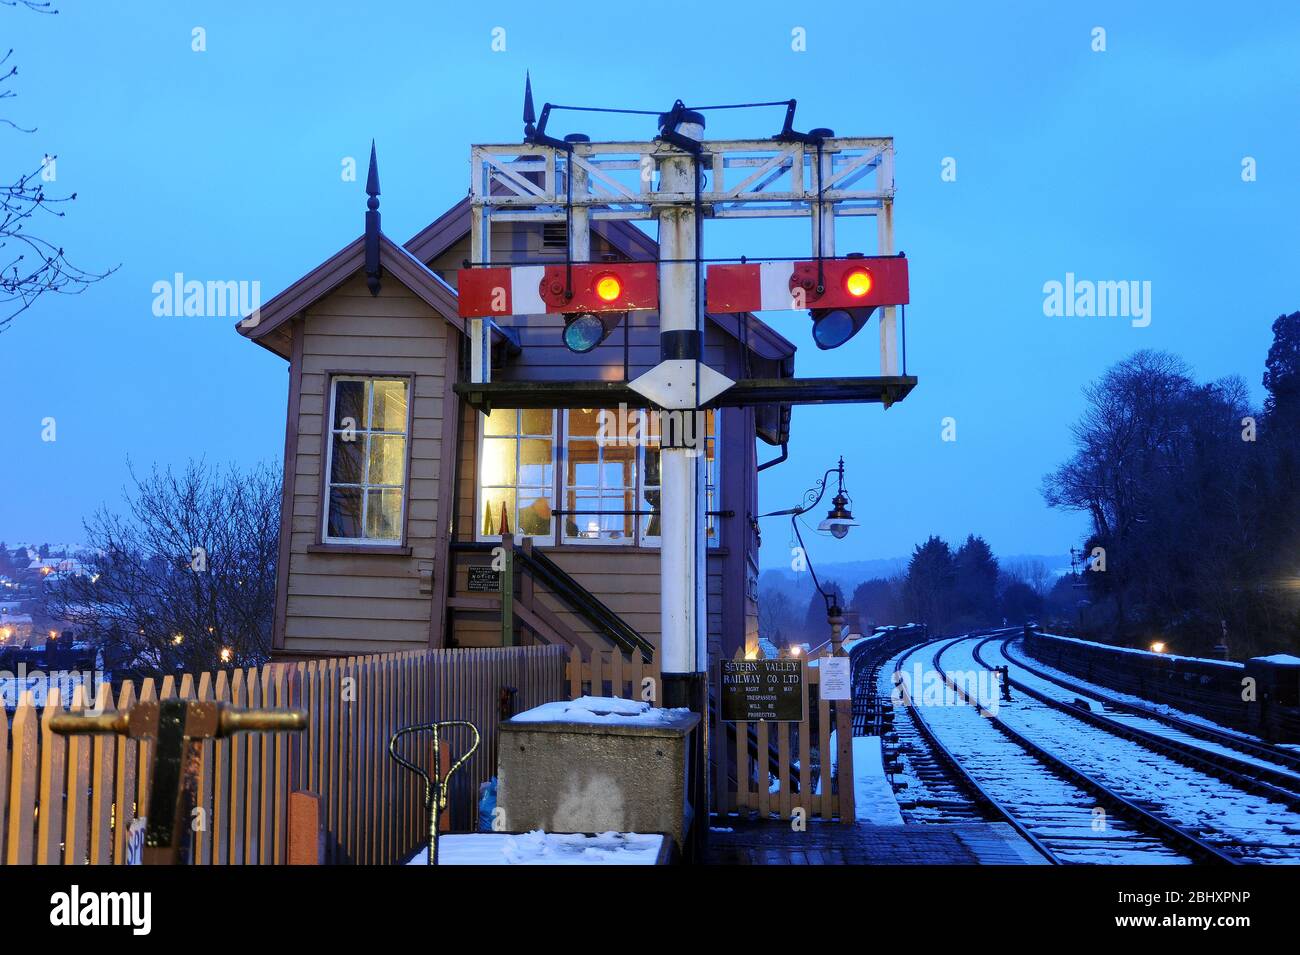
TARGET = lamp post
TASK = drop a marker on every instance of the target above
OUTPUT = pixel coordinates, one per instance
(839, 520)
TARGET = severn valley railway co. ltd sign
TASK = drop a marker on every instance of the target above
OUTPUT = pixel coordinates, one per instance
(774, 691)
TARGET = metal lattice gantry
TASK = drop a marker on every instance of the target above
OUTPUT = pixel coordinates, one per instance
(585, 182)
(756, 178)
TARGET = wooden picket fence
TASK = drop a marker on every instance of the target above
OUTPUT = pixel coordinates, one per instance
(743, 778)
(71, 800)
(615, 675)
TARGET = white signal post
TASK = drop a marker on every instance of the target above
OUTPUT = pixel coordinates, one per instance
(779, 177)
(684, 651)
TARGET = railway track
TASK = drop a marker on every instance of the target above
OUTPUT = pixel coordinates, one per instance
(1273, 764)
(1211, 796)
(936, 790)
(1069, 815)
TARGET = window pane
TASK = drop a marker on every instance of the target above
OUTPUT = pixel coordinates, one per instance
(619, 469)
(651, 526)
(585, 424)
(350, 404)
(389, 413)
(537, 421)
(582, 468)
(498, 462)
(534, 512)
(501, 421)
(494, 499)
(536, 458)
(384, 514)
(347, 461)
(652, 467)
(345, 512)
(387, 459)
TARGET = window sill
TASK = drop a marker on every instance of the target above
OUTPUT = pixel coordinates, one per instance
(387, 550)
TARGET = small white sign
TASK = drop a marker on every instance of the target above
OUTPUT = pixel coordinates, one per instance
(836, 678)
(135, 842)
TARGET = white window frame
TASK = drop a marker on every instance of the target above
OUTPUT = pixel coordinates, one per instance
(638, 467)
(639, 537)
(328, 431)
(478, 475)
(655, 541)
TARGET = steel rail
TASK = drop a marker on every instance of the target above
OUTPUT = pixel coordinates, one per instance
(966, 781)
(1228, 769)
(1173, 835)
(1258, 748)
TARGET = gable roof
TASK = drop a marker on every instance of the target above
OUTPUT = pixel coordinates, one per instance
(407, 264)
(454, 224)
(398, 263)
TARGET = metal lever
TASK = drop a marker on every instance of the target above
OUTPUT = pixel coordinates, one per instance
(435, 787)
(179, 728)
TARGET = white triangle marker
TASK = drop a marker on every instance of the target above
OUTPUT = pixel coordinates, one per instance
(671, 384)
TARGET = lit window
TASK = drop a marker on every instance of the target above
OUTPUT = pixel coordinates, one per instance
(652, 484)
(517, 473)
(600, 479)
(366, 460)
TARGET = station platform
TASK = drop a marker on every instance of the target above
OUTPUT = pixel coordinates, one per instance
(750, 842)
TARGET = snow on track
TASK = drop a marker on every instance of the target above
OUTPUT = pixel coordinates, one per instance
(1256, 828)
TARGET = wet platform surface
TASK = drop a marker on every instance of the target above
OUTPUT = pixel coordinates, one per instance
(752, 842)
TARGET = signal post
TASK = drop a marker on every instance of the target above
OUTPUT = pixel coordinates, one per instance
(578, 182)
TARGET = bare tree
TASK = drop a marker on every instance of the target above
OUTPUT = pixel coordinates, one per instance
(1033, 573)
(30, 264)
(186, 578)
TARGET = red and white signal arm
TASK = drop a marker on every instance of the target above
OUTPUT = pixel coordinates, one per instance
(859, 282)
(539, 289)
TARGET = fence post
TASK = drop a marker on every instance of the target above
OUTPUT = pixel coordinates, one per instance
(843, 728)
(306, 843)
(508, 590)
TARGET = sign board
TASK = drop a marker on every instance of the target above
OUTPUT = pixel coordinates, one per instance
(773, 691)
(484, 580)
(135, 842)
(836, 678)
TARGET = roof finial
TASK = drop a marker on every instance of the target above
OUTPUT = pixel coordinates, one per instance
(373, 269)
(530, 116)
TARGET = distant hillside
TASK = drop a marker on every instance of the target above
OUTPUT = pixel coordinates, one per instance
(799, 587)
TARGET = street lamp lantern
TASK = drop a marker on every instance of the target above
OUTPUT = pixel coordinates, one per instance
(839, 518)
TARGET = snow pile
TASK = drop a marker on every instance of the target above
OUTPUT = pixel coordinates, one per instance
(605, 710)
(545, 848)
(873, 796)
(1285, 659)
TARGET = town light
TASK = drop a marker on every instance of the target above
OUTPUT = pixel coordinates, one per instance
(226, 654)
(177, 639)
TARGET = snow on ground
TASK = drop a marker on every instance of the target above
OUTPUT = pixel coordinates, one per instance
(1161, 708)
(873, 796)
(1261, 829)
(545, 848)
(605, 710)
(1057, 812)
(1097, 696)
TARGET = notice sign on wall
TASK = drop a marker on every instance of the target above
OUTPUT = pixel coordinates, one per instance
(771, 690)
(484, 580)
(836, 678)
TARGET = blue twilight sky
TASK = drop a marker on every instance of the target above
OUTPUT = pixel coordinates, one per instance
(225, 164)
